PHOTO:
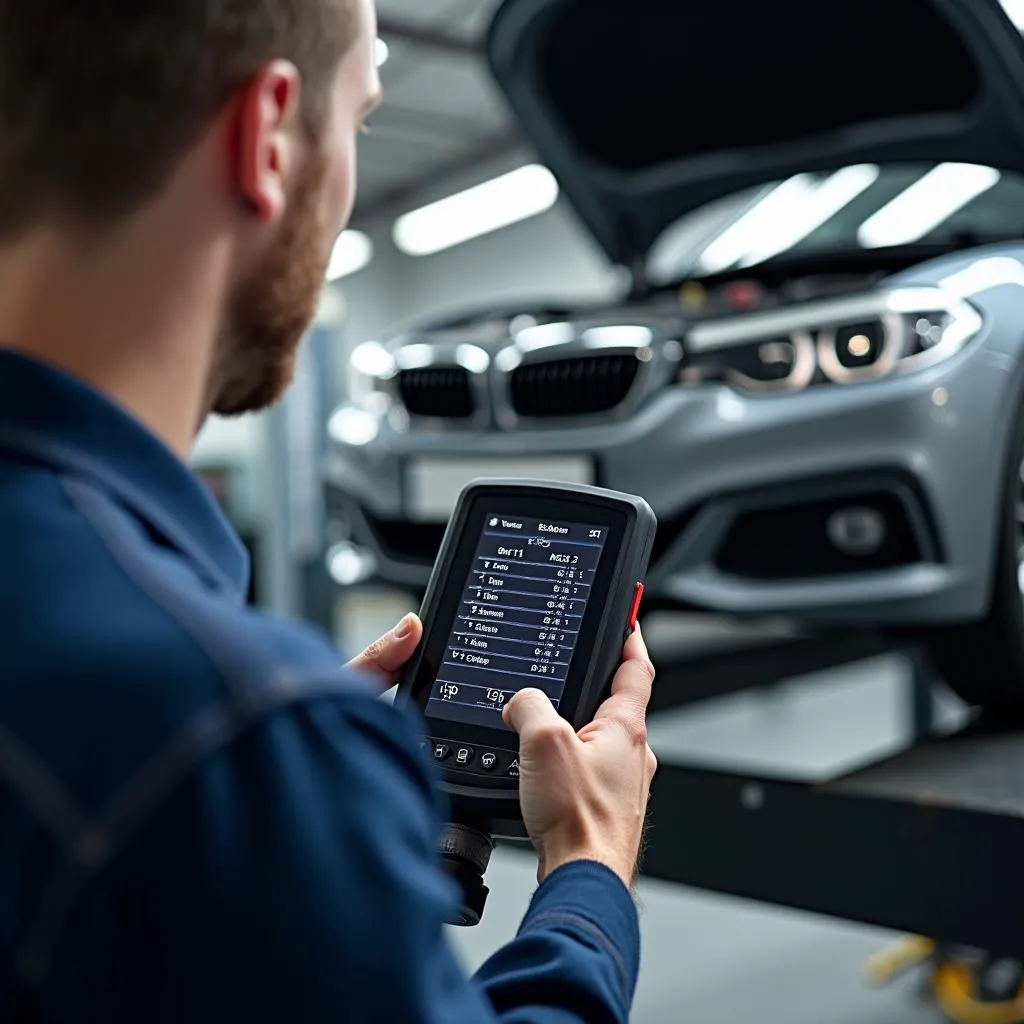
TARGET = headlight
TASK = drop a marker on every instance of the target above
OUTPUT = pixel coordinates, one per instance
(832, 341)
(778, 363)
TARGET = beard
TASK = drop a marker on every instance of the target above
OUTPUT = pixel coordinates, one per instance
(270, 311)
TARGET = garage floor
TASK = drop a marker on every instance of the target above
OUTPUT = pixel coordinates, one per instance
(716, 960)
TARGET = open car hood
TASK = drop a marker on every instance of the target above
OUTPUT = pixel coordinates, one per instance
(646, 110)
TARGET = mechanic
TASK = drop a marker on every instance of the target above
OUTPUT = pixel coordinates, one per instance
(203, 817)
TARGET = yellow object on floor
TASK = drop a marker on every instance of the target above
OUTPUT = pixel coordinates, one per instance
(952, 983)
(897, 959)
(954, 986)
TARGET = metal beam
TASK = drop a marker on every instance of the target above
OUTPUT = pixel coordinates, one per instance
(911, 862)
(683, 681)
(389, 28)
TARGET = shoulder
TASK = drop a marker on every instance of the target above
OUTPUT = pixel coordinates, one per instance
(112, 657)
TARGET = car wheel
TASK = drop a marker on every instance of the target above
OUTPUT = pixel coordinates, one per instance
(983, 662)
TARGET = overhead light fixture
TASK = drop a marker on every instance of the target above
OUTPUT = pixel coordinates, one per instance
(381, 51)
(930, 201)
(1015, 12)
(828, 197)
(765, 219)
(351, 253)
(495, 204)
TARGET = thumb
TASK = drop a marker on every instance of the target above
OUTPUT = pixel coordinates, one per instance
(386, 655)
(530, 711)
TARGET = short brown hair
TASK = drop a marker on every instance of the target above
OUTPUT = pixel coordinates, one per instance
(101, 99)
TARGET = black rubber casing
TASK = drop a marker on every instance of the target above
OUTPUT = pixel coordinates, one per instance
(492, 803)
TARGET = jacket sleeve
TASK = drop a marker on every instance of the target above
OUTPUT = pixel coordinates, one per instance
(577, 953)
(294, 877)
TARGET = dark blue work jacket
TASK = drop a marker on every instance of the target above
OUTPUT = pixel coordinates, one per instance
(203, 818)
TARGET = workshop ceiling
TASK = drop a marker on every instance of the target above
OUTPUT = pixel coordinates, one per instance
(441, 115)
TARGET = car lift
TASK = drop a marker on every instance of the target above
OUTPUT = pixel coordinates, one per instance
(929, 842)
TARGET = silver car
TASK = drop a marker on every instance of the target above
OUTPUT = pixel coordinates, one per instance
(815, 378)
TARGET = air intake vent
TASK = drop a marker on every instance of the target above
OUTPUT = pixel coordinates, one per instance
(798, 542)
(580, 386)
(437, 391)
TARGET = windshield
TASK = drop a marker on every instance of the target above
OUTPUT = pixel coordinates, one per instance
(855, 208)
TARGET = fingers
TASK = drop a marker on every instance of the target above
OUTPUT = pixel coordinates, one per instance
(636, 646)
(631, 687)
(386, 655)
(530, 713)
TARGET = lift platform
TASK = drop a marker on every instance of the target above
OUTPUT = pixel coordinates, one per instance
(929, 842)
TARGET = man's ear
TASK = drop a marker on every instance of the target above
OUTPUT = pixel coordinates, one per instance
(267, 114)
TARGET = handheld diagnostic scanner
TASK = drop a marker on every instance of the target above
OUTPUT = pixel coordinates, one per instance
(537, 585)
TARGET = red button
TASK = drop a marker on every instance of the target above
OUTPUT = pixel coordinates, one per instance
(634, 610)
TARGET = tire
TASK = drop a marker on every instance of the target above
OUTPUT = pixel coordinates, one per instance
(983, 662)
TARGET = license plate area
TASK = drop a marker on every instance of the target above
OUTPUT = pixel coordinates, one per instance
(432, 485)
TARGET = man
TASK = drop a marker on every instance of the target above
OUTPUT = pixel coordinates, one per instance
(202, 818)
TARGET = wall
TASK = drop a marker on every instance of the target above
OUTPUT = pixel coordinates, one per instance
(374, 297)
(547, 257)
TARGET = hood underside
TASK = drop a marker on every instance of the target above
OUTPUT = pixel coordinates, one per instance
(648, 109)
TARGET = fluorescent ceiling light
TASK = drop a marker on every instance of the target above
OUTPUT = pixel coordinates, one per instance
(381, 51)
(926, 204)
(352, 252)
(480, 210)
(767, 218)
(828, 197)
(1015, 12)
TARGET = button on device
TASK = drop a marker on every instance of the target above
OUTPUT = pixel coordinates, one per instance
(513, 769)
(464, 756)
(442, 751)
(488, 761)
(634, 608)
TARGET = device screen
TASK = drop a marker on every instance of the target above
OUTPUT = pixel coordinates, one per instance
(519, 616)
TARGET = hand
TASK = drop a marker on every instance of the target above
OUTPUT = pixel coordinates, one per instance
(386, 656)
(584, 795)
